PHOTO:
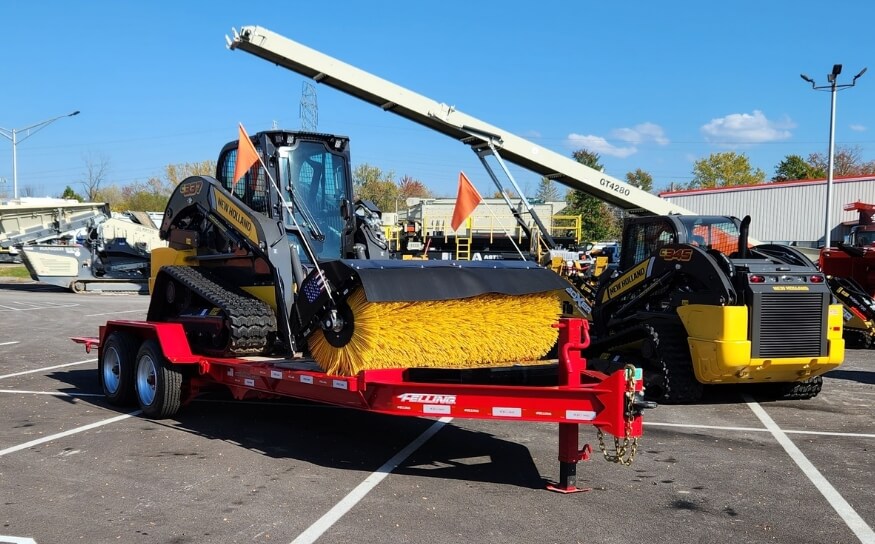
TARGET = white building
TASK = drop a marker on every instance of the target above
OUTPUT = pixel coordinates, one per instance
(785, 212)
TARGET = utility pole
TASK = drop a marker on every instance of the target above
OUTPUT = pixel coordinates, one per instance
(833, 87)
(12, 135)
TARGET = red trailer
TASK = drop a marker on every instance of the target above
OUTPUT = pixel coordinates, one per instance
(152, 364)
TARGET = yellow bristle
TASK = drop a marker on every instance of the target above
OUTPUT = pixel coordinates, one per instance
(481, 331)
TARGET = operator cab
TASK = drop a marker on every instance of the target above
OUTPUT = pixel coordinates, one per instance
(313, 173)
(643, 236)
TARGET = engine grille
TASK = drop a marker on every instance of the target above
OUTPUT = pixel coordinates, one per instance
(789, 325)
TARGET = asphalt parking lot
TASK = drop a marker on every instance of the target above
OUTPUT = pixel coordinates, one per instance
(74, 469)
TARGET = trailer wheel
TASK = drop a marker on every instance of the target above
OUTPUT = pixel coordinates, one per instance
(115, 368)
(158, 384)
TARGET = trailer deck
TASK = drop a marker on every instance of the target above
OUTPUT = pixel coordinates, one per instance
(561, 391)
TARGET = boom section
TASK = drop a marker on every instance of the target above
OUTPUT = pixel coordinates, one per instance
(447, 120)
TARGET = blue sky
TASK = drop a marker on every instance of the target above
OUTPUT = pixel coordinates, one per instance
(650, 85)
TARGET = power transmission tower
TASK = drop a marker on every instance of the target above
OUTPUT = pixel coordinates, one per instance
(309, 107)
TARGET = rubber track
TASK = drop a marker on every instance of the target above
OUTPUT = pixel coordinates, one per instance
(807, 389)
(250, 321)
(673, 355)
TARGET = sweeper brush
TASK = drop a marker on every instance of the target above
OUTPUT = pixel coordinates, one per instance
(485, 330)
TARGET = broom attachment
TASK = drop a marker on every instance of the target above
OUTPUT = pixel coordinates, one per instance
(435, 314)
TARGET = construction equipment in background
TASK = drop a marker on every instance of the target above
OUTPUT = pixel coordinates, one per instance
(492, 231)
(715, 294)
(859, 311)
(855, 257)
(850, 267)
(282, 265)
(694, 305)
(114, 255)
(44, 221)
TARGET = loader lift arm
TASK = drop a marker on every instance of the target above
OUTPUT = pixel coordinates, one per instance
(447, 120)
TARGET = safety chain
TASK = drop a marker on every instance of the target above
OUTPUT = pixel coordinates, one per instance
(624, 453)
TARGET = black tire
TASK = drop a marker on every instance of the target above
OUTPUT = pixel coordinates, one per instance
(158, 383)
(115, 368)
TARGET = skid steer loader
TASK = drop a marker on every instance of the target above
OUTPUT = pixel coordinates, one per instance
(281, 261)
(693, 304)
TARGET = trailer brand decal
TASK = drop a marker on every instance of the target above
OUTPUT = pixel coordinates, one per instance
(427, 398)
(584, 415)
(671, 254)
(500, 411)
(631, 279)
(436, 409)
(789, 288)
(234, 214)
(191, 188)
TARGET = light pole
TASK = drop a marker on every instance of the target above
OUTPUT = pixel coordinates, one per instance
(12, 135)
(833, 87)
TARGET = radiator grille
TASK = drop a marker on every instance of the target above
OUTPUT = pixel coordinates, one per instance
(791, 325)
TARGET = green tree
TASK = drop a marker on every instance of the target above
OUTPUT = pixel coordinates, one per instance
(847, 161)
(548, 191)
(69, 193)
(370, 183)
(598, 222)
(641, 179)
(794, 167)
(725, 169)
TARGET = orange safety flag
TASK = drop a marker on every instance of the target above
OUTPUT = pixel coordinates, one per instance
(466, 201)
(247, 156)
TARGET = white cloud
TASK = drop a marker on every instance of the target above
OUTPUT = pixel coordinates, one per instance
(599, 145)
(858, 128)
(746, 128)
(645, 132)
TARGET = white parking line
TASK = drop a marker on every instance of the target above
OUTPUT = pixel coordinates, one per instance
(839, 504)
(756, 429)
(81, 429)
(113, 313)
(345, 505)
(8, 343)
(51, 393)
(46, 368)
(42, 306)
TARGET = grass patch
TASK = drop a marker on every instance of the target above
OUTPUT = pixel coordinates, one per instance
(14, 271)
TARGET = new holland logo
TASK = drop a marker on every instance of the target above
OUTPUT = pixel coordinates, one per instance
(191, 188)
(629, 280)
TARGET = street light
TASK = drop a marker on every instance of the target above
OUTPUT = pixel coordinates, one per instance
(833, 87)
(12, 135)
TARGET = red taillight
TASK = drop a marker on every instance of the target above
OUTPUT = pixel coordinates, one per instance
(757, 279)
(816, 279)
